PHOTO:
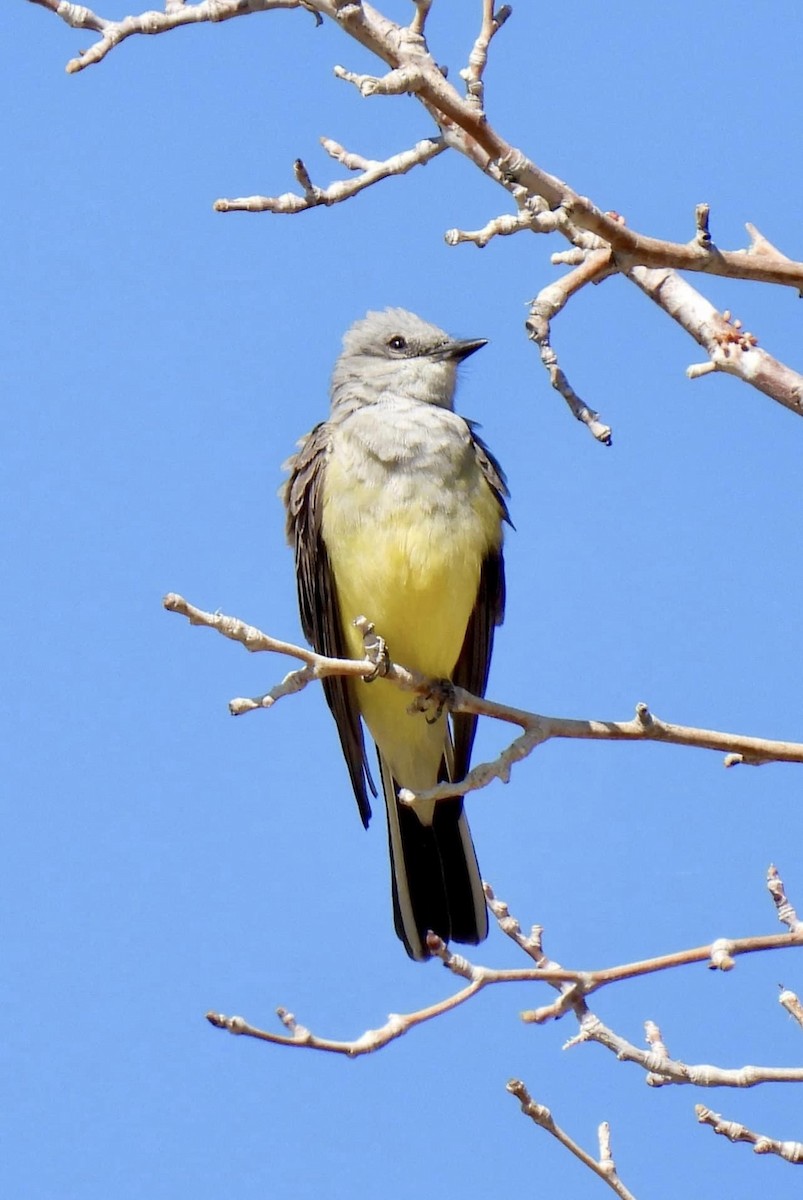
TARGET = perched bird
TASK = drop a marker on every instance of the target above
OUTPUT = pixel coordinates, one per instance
(395, 509)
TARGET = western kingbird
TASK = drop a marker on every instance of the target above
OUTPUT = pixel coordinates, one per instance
(395, 509)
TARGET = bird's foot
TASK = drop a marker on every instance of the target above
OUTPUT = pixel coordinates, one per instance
(433, 702)
(376, 650)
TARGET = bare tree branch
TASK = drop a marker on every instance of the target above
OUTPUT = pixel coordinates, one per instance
(605, 1167)
(729, 350)
(401, 81)
(371, 172)
(790, 1151)
(661, 1069)
(414, 70)
(649, 262)
(152, 22)
(547, 304)
(537, 728)
(397, 1024)
(601, 245)
(492, 22)
(718, 955)
(573, 987)
(704, 258)
(501, 226)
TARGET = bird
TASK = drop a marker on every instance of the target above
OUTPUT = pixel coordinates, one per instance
(396, 509)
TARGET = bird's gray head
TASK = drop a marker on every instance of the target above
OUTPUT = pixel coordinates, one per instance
(396, 353)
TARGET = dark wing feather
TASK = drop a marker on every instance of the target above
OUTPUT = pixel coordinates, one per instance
(317, 600)
(474, 662)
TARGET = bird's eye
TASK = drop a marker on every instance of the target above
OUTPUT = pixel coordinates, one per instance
(397, 342)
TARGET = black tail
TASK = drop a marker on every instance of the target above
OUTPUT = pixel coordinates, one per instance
(435, 876)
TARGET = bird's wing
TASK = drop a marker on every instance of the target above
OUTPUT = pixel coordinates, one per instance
(474, 662)
(317, 599)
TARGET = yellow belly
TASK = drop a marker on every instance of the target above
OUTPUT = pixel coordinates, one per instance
(414, 571)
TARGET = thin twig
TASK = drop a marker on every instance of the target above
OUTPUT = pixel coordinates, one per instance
(473, 73)
(549, 301)
(573, 987)
(372, 171)
(786, 913)
(501, 226)
(605, 1168)
(404, 80)
(662, 1070)
(536, 727)
(397, 1024)
(790, 1151)
(419, 20)
(152, 22)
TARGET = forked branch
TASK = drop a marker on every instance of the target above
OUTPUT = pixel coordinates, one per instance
(536, 727)
(604, 1166)
(543, 201)
(573, 987)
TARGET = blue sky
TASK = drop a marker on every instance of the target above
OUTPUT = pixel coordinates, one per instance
(158, 362)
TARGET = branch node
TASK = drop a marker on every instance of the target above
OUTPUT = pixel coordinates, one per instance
(786, 912)
(791, 1003)
(721, 955)
(406, 79)
(643, 715)
(456, 963)
(702, 235)
(236, 1025)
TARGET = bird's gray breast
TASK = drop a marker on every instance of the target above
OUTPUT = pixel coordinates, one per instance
(404, 445)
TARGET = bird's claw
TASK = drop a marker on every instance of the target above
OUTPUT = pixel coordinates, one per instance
(376, 650)
(439, 697)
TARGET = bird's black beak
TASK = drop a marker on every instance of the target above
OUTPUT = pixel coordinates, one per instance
(458, 350)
